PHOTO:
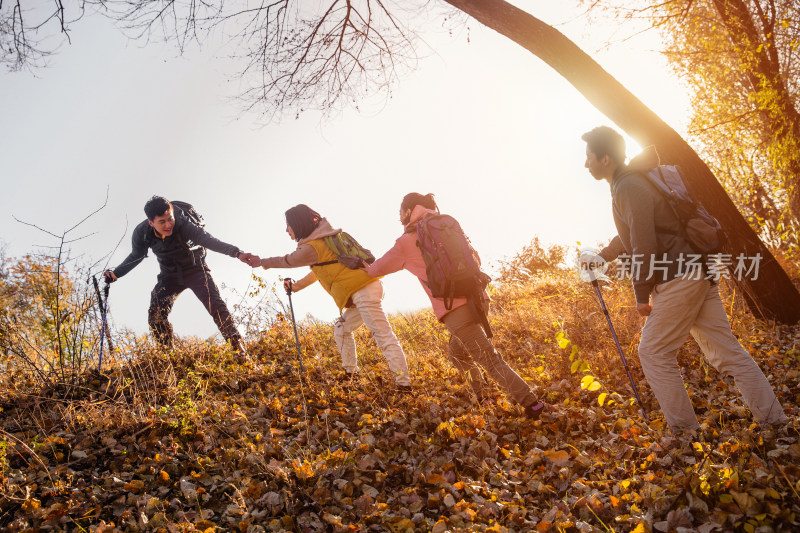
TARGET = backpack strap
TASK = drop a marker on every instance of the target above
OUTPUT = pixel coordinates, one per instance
(664, 196)
(333, 244)
(338, 250)
(681, 221)
(478, 314)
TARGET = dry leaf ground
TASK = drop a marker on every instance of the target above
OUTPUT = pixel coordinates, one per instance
(191, 441)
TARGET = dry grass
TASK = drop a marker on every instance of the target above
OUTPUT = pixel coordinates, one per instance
(274, 449)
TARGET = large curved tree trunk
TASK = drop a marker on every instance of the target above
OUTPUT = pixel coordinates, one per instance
(771, 295)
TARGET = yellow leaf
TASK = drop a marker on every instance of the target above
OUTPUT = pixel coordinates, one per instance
(402, 525)
(640, 528)
(562, 341)
(31, 505)
(136, 486)
(558, 458)
(594, 386)
(439, 527)
(602, 398)
(586, 381)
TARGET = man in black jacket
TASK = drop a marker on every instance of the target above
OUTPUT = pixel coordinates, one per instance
(676, 299)
(180, 247)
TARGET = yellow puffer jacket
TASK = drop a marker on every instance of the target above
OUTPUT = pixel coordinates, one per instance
(340, 281)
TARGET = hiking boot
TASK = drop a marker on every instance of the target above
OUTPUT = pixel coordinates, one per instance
(534, 411)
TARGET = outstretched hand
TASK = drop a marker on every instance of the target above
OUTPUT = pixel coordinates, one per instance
(251, 259)
(254, 261)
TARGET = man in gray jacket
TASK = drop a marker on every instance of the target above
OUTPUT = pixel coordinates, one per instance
(675, 299)
(180, 247)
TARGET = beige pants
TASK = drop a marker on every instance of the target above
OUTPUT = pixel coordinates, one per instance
(469, 345)
(368, 310)
(684, 306)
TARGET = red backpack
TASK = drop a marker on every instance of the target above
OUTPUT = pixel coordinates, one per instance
(451, 264)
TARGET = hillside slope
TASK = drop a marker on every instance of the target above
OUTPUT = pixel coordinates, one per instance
(191, 441)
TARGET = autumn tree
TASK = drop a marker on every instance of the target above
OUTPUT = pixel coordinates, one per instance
(740, 60)
(301, 56)
(46, 319)
(48, 311)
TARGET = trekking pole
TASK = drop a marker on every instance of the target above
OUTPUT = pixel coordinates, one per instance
(294, 324)
(596, 286)
(102, 302)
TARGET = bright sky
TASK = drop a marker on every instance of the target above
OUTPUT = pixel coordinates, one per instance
(482, 123)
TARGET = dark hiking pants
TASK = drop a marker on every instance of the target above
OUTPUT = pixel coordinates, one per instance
(469, 347)
(202, 284)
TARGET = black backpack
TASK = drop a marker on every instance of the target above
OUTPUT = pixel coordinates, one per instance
(194, 217)
(189, 212)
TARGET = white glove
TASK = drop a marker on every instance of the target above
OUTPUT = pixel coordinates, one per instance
(591, 265)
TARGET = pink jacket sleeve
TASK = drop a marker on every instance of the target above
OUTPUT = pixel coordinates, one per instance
(392, 261)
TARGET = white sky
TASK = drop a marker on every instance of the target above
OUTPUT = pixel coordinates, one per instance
(484, 125)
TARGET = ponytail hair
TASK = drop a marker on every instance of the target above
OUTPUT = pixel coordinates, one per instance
(303, 220)
(413, 199)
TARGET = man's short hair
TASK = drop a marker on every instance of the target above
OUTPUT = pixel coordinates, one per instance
(604, 141)
(156, 206)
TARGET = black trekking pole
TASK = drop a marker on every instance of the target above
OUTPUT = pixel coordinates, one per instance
(102, 302)
(294, 324)
(596, 286)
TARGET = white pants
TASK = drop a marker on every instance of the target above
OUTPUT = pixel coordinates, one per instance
(684, 306)
(367, 310)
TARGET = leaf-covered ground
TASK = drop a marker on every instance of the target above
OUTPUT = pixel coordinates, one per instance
(193, 441)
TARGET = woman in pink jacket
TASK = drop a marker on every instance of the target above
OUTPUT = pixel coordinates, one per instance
(468, 341)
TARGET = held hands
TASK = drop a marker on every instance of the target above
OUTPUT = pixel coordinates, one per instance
(255, 261)
(109, 276)
(250, 259)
